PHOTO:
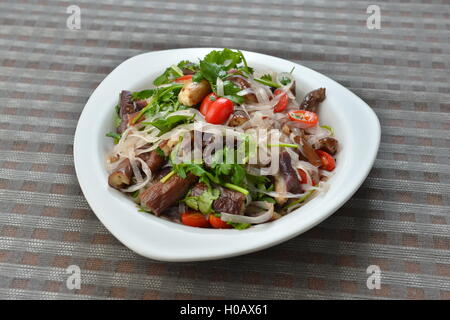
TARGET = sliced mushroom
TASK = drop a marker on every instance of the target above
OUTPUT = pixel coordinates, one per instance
(308, 151)
(121, 177)
(312, 100)
(328, 144)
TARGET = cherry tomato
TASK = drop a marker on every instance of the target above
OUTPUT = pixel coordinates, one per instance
(282, 103)
(307, 119)
(207, 101)
(194, 219)
(183, 78)
(328, 162)
(218, 223)
(219, 111)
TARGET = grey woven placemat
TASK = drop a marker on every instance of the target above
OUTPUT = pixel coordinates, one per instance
(398, 220)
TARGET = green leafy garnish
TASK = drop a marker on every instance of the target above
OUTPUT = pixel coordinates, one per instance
(216, 64)
(165, 125)
(329, 129)
(167, 177)
(115, 136)
(239, 226)
(142, 95)
(173, 72)
(300, 200)
(163, 99)
(203, 202)
(268, 81)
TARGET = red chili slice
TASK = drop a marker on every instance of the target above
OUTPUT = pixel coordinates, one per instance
(307, 119)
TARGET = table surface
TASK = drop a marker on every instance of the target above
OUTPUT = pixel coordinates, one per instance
(398, 220)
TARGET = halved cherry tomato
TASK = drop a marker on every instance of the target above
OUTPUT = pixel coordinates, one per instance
(328, 162)
(219, 111)
(207, 101)
(307, 119)
(303, 177)
(218, 223)
(194, 219)
(282, 103)
(183, 78)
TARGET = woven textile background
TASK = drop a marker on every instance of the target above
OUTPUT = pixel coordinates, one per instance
(398, 220)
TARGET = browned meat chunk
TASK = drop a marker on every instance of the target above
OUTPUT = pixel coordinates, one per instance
(312, 100)
(125, 103)
(121, 177)
(289, 175)
(229, 201)
(160, 196)
(153, 159)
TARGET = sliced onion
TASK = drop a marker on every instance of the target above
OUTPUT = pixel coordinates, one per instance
(245, 92)
(282, 75)
(263, 217)
(142, 183)
(219, 85)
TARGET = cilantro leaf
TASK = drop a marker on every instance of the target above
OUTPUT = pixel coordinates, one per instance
(203, 202)
(174, 72)
(165, 125)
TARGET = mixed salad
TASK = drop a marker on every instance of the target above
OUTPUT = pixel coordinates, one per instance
(217, 144)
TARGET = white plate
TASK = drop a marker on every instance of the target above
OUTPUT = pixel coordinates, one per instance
(356, 127)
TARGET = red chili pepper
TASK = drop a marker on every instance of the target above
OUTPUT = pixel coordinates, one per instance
(328, 162)
(282, 103)
(307, 119)
(183, 78)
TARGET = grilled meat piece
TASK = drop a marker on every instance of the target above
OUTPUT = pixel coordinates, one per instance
(290, 176)
(312, 100)
(126, 105)
(160, 196)
(229, 201)
(153, 159)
